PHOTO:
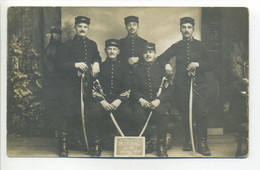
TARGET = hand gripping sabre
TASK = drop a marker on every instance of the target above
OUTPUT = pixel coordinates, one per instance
(164, 79)
(97, 86)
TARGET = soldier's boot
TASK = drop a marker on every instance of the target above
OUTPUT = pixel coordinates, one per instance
(149, 145)
(187, 145)
(203, 148)
(63, 148)
(161, 149)
(97, 148)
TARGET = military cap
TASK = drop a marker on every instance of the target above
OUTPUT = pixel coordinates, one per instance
(131, 19)
(187, 20)
(149, 46)
(112, 42)
(80, 19)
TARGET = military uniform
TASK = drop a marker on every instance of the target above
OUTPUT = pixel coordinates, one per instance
(185, 53)
(78, 49)
(115, 82)
(147, 78)
(131, 45)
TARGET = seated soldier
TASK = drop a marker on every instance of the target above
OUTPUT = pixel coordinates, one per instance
(115, 84)
(147, 79)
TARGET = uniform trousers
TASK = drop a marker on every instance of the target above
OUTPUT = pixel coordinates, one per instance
(158, 118)
(200, 107)
(71, 118)
(100, 123)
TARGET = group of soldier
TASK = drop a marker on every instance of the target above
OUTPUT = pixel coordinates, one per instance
(129, 85)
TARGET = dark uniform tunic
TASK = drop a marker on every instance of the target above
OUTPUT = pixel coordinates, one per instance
(76, 50)
(185, 53)
(131, 47)
(115, 81)
(146, 82)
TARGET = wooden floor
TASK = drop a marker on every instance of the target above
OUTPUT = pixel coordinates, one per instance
(220, 146)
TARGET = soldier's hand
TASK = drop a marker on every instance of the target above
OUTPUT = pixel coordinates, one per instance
(115, 104)
(168, 69)
(144, 103)
(95, 69)
(106, 105)
(155, 103)
(82, 66)
(133, 60)
(192, 66)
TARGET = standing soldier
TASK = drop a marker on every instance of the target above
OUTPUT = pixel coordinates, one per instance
(190, 56)
(112, 96)
(147, 78)
(78, 56)
(131, 45)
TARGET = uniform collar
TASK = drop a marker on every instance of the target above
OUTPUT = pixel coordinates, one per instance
(189, 40)
(148, 64)
(114, 60)
(132, 36)
(80, 38)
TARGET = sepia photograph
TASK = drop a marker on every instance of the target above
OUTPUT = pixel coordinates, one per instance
(127, 82)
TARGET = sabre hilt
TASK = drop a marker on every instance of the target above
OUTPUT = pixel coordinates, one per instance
(97, 87)
(192, 73)
(162, 85)
(82, 73)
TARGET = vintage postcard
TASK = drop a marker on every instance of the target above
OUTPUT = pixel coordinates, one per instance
(127, 82)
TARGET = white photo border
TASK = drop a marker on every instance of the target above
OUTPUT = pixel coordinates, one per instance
(82, 163)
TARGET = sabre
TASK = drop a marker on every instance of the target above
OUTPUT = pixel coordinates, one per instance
(98, 85)
(164, 79)
(192, 74)
(82, 80)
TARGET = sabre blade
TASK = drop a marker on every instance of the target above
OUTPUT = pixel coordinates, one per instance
(190, 116)
(82, 112)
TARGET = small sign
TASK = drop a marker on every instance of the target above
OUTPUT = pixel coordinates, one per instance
(130, 146)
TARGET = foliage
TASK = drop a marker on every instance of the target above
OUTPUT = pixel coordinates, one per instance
(24, 106)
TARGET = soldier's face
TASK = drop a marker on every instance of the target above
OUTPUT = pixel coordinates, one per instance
(112, 51)
(187, 30)
(81, 29)
(149, 56)
(132, 27)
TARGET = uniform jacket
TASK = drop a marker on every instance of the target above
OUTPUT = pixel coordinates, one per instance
(115, 80)
(77, 50)
(131, 47)
(147, 79)
(186, 52)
